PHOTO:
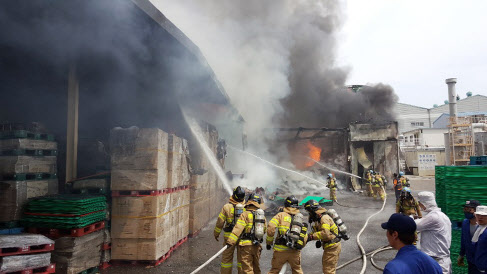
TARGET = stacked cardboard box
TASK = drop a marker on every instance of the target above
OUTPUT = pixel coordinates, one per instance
(76, 254)
(148, 204)
(27, 169)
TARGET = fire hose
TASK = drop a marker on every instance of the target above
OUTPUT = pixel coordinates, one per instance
(375, 252)
(360, 257)
(362, 250)
(209, 260)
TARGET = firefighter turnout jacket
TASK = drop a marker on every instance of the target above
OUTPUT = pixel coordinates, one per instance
(404, 181)
(408, 206)
(332, 183)
(368, 178)
(226, 220)
(379, 180)
(243, 229)
(282, 222)
(325, 230)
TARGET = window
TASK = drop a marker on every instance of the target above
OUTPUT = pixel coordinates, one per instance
(417, 124)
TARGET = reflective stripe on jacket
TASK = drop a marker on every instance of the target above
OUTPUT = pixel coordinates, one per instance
(332, 183)
(225, 218)
(326, 230)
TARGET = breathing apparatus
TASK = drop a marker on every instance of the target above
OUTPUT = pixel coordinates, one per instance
(296, 232)
(259, 226)
(342, 228)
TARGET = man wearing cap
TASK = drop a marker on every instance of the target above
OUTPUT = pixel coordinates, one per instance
(435, 228)
(479, 240)
(469, 225)
(400, 234)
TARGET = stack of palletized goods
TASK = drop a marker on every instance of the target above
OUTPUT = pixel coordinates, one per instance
(26, 253)
(27, 170)
(98, 185)
(179, 178)
(206, 194)
(77, 254)
(148, 207)
(76, 222)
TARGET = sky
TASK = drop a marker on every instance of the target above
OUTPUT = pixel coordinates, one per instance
(415, 45)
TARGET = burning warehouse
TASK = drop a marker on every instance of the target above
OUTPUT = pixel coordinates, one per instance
(347, 152)
(106, 88)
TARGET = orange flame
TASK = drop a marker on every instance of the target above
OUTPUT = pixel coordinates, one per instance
(314, 153)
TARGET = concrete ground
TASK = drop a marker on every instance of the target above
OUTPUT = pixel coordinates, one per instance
(354, 212)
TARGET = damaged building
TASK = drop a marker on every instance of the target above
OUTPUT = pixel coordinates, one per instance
(355, 149)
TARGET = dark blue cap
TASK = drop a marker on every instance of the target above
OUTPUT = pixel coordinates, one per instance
(472, 203)
(400, 223)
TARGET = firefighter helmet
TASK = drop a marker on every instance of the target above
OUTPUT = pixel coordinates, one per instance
(401, 173)
(311, 206)
(291, 201)
(330, 175)
(255, 198)
(238, 194)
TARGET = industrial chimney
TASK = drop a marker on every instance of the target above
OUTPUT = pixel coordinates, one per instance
(452, 98)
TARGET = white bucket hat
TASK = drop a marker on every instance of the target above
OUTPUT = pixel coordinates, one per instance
(481, 210)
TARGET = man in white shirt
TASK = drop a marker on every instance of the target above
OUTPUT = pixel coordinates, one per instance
(435, 228)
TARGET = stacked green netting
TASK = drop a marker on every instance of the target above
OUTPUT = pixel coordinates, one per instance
(65, 211)
(457, 184)
(454, 186)
(440, 186)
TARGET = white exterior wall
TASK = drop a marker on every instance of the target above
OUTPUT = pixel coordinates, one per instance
(434, 137)
(406, 114)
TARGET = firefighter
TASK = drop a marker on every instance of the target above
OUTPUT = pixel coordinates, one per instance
(326, 232)
(332, 185)
(404, 181)
(248, 233)
(377, 185)
(284, 250)
(368, 182)
(226, 220)
(407, 204)
(397, 186)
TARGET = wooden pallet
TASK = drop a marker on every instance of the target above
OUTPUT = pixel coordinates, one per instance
(55, 233)
(11, 231)
(27, 176)
(28, 152)
(10, 251)
(21, 134)
(39, 270)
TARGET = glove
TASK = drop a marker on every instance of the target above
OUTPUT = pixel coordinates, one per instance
(461, 261)
(216, 238)
(268, 247)
(229, 246)
(318, 244)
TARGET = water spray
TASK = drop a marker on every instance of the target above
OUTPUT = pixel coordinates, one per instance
(335, 170)
(277, 166)
(196, 130)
